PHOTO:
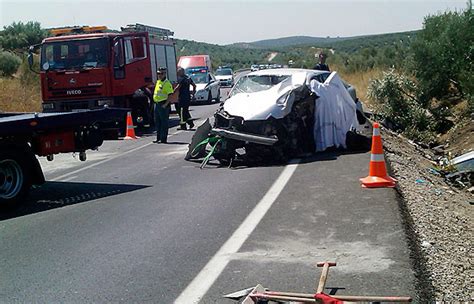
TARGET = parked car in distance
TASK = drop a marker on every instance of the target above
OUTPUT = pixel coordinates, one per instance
(207, 87)
(225, 76)
(254, 67)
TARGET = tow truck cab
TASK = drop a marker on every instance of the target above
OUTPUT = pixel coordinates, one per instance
(88, 68)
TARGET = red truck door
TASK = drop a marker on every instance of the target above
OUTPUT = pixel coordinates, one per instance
(131, 64)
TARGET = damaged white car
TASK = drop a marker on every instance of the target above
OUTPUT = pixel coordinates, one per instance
(278, 114)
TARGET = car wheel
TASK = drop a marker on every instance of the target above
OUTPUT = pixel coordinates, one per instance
(218, 98)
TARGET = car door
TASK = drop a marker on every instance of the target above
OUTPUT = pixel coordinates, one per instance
(217, 86)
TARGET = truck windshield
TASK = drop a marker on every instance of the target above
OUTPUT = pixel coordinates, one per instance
(256, 83)
(73, 54)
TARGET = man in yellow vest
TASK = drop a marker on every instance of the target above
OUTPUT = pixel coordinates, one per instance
(163, 89)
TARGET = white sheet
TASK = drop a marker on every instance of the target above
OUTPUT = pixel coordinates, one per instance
(335, 113)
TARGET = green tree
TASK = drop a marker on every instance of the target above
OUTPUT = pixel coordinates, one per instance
(19, 35)
(443, 54)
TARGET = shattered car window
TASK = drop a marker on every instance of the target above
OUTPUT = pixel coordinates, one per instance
(257, 83)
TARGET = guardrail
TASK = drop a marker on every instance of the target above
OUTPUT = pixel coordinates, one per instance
(241, 70)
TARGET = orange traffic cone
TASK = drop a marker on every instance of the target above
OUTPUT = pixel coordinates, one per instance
(130, 132)
(378, 177)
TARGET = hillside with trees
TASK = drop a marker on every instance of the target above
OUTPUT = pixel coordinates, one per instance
(222, 55)
(288, 42)
(346, 44)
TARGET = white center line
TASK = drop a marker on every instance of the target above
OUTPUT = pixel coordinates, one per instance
(198, 122)
(99, 162)
(104, 160)
(198, 287)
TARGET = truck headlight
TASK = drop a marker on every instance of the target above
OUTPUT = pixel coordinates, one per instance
(105, 102)
(48, 106)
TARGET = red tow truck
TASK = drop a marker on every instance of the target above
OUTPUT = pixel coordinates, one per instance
(92, 67)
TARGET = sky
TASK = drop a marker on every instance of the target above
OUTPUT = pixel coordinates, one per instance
(229, 21)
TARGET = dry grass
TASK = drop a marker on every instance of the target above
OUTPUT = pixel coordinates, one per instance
(21, 93)
(18, 97)
(360, 81)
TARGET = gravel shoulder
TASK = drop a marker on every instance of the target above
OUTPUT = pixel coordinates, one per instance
(439, 220)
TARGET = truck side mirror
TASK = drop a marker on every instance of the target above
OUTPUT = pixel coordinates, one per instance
(30, 60)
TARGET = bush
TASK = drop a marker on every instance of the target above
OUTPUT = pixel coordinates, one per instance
(395, 96)
(9, 63)
(443, 54)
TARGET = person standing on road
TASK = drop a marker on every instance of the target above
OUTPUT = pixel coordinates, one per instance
(322, 66)
(182, 107)
(163, 89)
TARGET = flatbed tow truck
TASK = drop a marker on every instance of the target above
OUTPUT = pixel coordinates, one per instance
(25, 135)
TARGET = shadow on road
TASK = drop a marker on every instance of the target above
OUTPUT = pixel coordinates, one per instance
(149, 131)
(329, 155)
(60, 194)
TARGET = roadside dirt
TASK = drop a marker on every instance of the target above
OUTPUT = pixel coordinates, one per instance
(460, 139)
(440, 222)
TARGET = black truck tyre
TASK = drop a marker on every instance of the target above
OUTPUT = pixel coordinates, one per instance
(15, 179)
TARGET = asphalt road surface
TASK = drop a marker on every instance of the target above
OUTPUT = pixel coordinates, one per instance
(136, 223)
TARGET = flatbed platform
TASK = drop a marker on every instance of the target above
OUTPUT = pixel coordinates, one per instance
(27, 123)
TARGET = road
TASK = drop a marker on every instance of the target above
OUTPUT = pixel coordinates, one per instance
(138, 224)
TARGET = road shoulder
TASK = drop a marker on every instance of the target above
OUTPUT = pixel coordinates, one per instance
(324, 214)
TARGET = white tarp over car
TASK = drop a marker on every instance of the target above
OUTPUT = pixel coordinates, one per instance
(335, 113)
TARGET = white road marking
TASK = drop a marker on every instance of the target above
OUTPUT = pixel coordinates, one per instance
(66, 175)
(100, 162)
(69, 178)
(110, 158)
(199, 286)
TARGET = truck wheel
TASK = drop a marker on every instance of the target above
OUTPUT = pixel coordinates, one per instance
(14, 180)
(82, 156)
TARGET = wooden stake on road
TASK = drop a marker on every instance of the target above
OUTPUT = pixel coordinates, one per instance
(259, 292)
(341, 297)
(324, 275)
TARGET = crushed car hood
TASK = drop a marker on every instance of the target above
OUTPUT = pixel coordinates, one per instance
(263, 105)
